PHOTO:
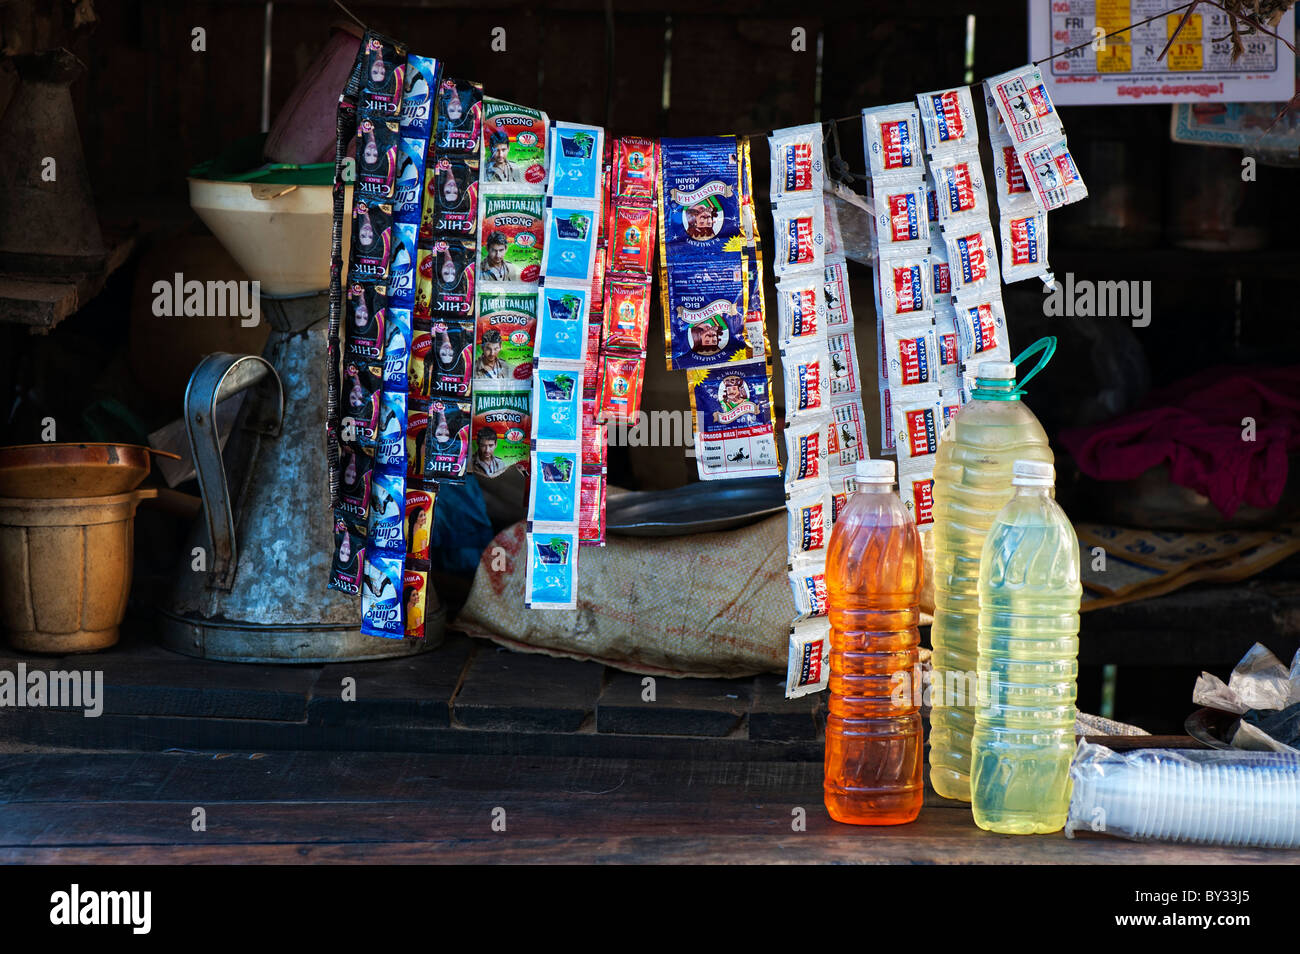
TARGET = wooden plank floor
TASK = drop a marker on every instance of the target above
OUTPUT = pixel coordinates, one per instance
(336, 807)
(465, 696)
(584, 768)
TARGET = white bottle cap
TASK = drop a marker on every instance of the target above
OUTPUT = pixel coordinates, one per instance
(1032, 473)
(875, 471)
(996, 370)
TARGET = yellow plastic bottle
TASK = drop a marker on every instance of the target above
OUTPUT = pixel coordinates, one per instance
(1028, 659)
(972, 482)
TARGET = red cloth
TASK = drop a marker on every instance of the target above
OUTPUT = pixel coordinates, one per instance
(1195, 426)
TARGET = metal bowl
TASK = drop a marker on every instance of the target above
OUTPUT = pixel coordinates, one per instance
(1214, 727)
(55, 471)
(704, 507)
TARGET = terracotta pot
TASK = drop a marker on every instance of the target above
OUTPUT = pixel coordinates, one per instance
(65, 570)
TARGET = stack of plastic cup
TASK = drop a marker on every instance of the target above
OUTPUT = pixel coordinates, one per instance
(1228, 797)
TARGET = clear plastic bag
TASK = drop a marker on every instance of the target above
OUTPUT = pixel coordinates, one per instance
(854, 213)
(1210, 797)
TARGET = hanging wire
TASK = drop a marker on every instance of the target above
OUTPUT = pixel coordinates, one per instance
(1187, 7)
(1126, 29)
(359, 22)
(831, 126)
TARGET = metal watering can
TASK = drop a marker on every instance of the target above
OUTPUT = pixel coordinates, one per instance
(255, 589)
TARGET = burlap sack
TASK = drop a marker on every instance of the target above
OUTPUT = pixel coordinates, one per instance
(708, 605)
(712, 604)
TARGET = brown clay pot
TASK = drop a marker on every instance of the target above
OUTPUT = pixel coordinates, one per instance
(65, 570)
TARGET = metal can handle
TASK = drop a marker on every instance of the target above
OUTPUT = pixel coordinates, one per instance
(218, 376)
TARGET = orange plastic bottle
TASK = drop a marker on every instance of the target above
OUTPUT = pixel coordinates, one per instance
(873, 584)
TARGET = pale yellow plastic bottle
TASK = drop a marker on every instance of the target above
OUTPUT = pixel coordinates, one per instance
(972, 482)
(1028, 658)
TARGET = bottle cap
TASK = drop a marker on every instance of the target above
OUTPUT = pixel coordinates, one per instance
(996, 370)
(875, 471)
(1032, 473)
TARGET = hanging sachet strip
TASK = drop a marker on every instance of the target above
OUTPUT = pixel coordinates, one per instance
(574, 198)
(904, 225)
(383, 506)
(1032, 123)
(512, 165)
(710, 267)
(345, 128)
(410, 517)
(358, 413)
(823, 424)
(630, 225)
(798, 225)
(1022, 224)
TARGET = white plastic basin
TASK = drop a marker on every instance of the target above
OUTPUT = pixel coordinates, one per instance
(279, 234)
